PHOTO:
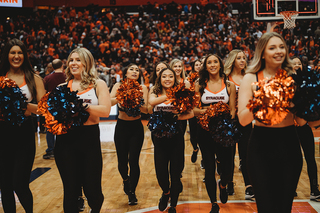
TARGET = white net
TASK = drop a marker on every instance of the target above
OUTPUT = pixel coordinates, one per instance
(289, 19)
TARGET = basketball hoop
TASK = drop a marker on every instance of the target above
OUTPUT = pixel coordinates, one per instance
(289, 19)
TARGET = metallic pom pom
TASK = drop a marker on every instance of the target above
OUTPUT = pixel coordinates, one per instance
(271, 102)
(183, 99)
(163, 124)
(12, 101)
(130, 97)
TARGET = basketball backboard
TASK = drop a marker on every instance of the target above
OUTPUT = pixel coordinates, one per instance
(269, 10)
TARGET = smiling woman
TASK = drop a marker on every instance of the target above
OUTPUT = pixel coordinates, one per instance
(129, 145)
(281, 142)
(17, 151)
(83, 142)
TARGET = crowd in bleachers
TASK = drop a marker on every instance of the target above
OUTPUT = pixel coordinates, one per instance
(153, 33)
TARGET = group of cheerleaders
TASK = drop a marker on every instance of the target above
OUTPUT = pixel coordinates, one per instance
(271, 159)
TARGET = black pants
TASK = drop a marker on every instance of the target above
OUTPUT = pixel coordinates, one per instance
(274, 163)
(128, 139)
(17, 152)
(169, 161)
(243, 151)
(78, 158)
(193, 132)
(209, 148)
(307, 143)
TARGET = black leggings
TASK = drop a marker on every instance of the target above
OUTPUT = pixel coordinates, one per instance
(274, 165)
(79, 159)
(17, 152)
(128, 139)
(209, 148)
(169, 160)
(243, 151)
(307, 143)
(193, 132)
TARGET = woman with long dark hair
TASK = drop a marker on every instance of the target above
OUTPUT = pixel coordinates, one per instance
(214, 87)
(129, 136)
(168, 151)
(307, 143)
(17, 145)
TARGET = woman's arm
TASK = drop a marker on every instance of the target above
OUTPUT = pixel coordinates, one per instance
(144, 107)
(232, 99)
(104, 107)
(245, 94)
(113, 94)
(150, 108)
(41, 91)
(197, 111)
(186, 116)
(155, 100)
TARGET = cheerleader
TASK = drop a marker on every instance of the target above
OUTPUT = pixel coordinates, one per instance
(78, 152)
(129, 136)
(274, 155)
(234, 69)
(307, 143)
(17, 144)
(193, 121)
(168, 151)
(177, 66)
(159, 66)
(213, 87)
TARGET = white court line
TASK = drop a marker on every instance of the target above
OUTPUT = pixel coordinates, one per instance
(314, 204)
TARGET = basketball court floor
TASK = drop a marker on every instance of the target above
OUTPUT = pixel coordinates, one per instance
(47, 190)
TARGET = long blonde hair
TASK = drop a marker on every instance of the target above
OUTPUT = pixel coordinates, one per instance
(229, 65)
(89, 75)
(173, 62)
(258, 63)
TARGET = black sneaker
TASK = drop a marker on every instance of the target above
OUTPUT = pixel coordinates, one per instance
(215, 208)
(81, 205)
(204, 179)
(223, 193)
(202, 164)
(132, 199)
(315, 194)
(126, 186)
(48, 156)
(172, 210)
(194, 155)
(230, 188)
(249, 193)
(163, 202)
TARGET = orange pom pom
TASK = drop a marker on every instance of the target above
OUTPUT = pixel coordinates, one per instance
(183, 99)
(271, 102)
(129, 94)
(51, 124)
(212, 111)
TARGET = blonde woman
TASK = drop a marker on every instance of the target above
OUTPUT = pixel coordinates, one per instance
(78, 153)
(234, 68)
(274, 154)
(178, 68)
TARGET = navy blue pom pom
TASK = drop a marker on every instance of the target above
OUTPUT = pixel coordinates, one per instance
(163, 124)
(307, 96)
(66, 107)
(224, 130)
(13, 105)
